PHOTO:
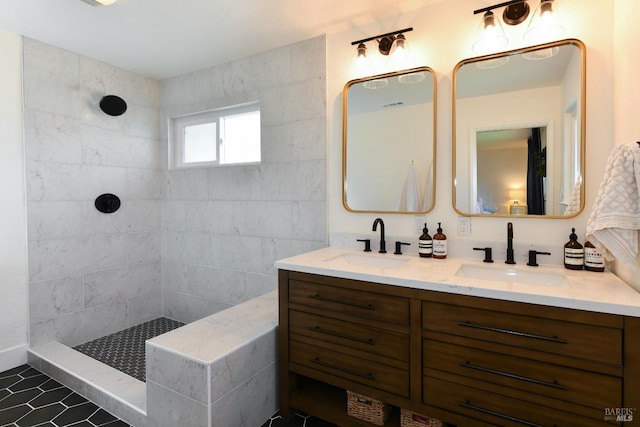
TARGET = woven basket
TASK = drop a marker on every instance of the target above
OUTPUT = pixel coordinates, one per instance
(367, 409)
(413, 419)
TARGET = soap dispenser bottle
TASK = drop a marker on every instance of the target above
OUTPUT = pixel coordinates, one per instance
(425, 243)
(439, 244)
(573, 253)
(593, 259)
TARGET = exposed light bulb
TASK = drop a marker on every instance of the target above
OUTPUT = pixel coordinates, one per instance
(361, 64)
(546, 24)
(491, 37)
(401, 58)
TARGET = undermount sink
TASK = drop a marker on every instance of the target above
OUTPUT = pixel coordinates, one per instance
(371, 260)
(511, 275)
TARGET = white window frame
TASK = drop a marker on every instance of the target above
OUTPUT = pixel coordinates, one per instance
(178, 124)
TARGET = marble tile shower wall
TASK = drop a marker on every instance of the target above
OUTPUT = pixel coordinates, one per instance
(224, 227)
(90, 274)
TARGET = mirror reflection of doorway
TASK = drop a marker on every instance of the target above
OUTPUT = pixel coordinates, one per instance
(509, 168)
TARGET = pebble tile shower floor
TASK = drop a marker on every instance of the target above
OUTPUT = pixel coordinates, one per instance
(124, 350)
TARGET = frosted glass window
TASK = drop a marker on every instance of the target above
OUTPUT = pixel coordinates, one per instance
(241, 141)
(225, 136)
(200, 143)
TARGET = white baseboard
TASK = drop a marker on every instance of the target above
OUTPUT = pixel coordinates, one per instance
(12, 357)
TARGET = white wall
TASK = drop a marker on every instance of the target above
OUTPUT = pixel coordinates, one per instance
(627, 88)
(442, 36)
(13, 234)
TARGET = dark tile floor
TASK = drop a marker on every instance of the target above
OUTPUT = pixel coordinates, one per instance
(124, 350)
(296, 420)
(28, 398)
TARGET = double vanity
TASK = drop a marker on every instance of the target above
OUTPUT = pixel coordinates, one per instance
(465, 342)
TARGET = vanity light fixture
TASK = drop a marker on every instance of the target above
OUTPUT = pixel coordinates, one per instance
(491, 36)
(546, 24)
(363, 68)
(386, 43)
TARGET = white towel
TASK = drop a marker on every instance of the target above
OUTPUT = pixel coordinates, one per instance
(409, 199)
(574, 201)
(427, 197)
(615, 219)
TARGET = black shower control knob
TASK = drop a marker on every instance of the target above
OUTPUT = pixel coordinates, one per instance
(107, 203)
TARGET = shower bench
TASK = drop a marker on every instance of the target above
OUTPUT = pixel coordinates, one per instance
(219, 370)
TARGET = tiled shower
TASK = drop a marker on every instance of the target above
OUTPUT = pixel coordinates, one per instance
(184, 244)
(204, 238)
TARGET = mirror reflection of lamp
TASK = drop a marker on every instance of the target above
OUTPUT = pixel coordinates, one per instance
(516, 195)
(99, 2)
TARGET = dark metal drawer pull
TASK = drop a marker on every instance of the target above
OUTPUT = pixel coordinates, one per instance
(338, 301)
(510, 332)
(517, 377)
(498, 414)
(369, 341)
(368, 376)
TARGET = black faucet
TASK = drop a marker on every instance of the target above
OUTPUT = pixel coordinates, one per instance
(383, 245)
(487, 254)
(533, 261)
(510, 244)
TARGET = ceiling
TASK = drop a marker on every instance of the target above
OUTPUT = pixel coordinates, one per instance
(165, 38)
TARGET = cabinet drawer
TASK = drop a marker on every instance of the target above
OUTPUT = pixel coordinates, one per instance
(352, 335)
(526, 379)
(362, 304)
(501, 410)
(352, 368)
(591, 342)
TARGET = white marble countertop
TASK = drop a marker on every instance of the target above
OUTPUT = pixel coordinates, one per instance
(583, 290)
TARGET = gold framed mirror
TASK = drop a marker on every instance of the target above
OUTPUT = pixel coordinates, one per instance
(519, 132)
(388, 142)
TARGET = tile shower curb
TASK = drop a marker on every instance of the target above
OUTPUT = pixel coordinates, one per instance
(118, 393)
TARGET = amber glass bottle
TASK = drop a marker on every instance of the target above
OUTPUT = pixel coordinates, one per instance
(439, 244)
(593, 260)
(573, 253)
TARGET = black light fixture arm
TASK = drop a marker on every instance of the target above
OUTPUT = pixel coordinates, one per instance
(406, 30)
(495, 6)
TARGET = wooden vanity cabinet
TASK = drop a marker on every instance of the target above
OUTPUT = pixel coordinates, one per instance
(469, 361)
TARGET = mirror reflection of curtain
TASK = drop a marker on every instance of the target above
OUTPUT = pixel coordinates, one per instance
(536, 171)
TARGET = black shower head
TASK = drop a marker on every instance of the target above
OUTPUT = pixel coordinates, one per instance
(113, 105)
